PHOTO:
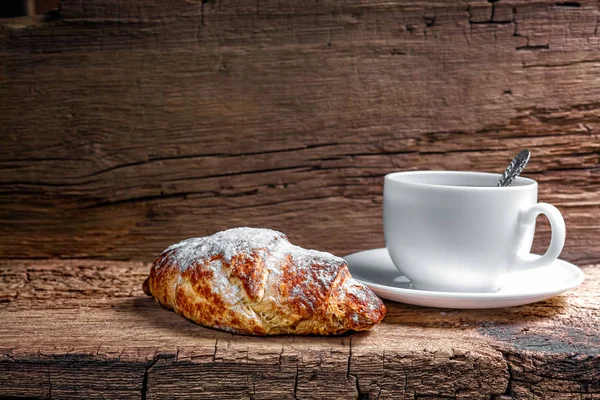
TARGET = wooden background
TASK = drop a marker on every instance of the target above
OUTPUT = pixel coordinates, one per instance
(127, 126)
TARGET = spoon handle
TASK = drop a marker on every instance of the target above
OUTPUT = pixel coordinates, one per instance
(514, 168)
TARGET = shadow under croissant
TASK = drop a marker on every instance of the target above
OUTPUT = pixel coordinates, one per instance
(163, 318)
(159, 317)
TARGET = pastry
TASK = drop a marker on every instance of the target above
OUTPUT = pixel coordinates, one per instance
(254, 281)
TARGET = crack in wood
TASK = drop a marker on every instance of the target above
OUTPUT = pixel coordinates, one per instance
(280, 357)
(533, 47)
(349, 360)
(296, 380)
(49, 383)
(241, 173)
(202, 22)
(492, 20)
(215, 353)
(405, 391)
(569, 4)
(567, 64)
(201, 156)
(147, 368)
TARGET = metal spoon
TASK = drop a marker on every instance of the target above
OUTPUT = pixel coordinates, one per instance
(514, 168)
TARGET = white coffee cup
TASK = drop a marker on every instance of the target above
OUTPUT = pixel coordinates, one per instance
(458, 232)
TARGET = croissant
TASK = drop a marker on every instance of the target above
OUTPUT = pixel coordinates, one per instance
(254, 281)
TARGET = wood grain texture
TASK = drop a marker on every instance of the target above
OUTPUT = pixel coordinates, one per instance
(84, 329)
(127, 126)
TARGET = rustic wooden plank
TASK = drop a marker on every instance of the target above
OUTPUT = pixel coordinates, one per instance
(151, 121)
(70, 377)
(83, 328)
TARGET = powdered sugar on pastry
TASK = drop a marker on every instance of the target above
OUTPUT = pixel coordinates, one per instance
(254, 280)
(227, 244)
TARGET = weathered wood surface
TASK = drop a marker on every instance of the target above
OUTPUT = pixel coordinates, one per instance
(84, 329)
(126, 126)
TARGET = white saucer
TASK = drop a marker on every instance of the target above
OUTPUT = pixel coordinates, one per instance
(375, 269)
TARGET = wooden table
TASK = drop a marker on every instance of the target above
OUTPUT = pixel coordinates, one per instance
(84, 329)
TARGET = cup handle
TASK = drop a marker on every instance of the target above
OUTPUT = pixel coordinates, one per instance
(557, 241)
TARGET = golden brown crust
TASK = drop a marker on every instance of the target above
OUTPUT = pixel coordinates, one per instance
(251, 271)
(254, 281)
